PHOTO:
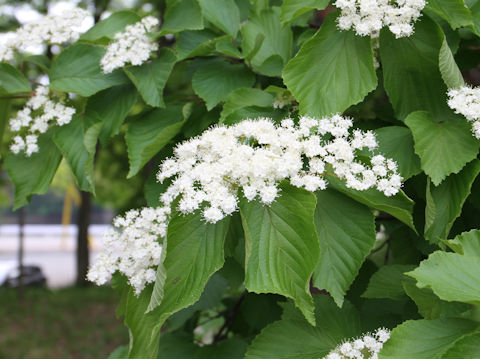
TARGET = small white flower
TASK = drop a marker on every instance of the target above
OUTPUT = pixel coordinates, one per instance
(365, 347)
(133, 46)
(466, 101)
(47, 111)
(368, 17)
(50, 29)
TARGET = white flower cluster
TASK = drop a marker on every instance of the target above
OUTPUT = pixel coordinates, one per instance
(50, 29)
(36, 116)
(134, 250)
(366, 347)
(133, 46)
(367, 17)
(466, 101)
(255, 155)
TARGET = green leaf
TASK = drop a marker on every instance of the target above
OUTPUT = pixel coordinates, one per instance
(386, 283)
(454, 11)
(150, 78)
(33, 175)
(444, 148)
(194, 251)
(293, 337)
(215, 80)
(448, 67)
(77, 69)
(277, 41)
(106, 29)
(147, 135)
(42, 61)
(467, 243)
(281, 246)
(70, 140)
(111, 107)
(467, 347)
(396, 142)
(193, 43)
(346, 232)
(332, 71)
(411, 72)
(452, 277)
(244, 97)
(224, 14)
(400, 205)
(182, 15)
(424, 339)
(291, 9)
(12, 81)
(445, 202)
(226, 47)
(429, 305)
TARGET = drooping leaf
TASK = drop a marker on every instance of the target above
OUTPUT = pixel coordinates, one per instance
(150, 78)
(448, 67)
(425, 339)
(281, 246)
(148, 134)
(194, 251)
(411, 72)
(429, 305)
(454, 11)
(293, 337)
(182, 15)
(332, 71)
(77, 69)
(444, 148)
(215, 80)
(346, 232)
(12, 81)
(400, 205)
(452, 277)
(70, 140)
(265, 40)
(386, 283)
(225, 45)
(106, 29)
(110, 107)
(291, 9)
(244, 97)
(445, 202)
(224, 14)
(467, 243)
(33, 175)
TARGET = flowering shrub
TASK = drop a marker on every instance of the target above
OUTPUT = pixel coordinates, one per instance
(310, 170)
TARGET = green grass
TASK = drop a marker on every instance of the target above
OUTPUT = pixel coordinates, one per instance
(66, 323)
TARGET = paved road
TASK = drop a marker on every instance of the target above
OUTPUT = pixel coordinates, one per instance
(52, 247)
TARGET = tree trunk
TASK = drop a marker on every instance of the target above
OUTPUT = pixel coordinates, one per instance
(83, 221)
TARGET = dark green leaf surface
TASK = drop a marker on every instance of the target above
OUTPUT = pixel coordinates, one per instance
(425, 339)
(332, 71)
(386, 283)
(224, 14)
(33, 175)
(77, 69)
(293, 337)
(150, 78)
(445, 202)
(444, 148)
(12, 81)
(105, 30)
(150, 133)
(215, 80)
(346, 232)
(282, 246)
